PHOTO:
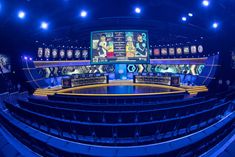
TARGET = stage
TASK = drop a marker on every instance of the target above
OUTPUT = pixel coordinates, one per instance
(120, 88)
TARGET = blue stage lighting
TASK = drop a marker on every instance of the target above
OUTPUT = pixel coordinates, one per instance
(205, 3)
(44, 25)
(184, 18)
(21, 14)
(83, 13)
(137, 10)
(215, 25)
(190, 14)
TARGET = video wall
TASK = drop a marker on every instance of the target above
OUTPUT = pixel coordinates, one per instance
(193, 70)
(127, 52)
(5, 66)
(119, 46)
(189, 69)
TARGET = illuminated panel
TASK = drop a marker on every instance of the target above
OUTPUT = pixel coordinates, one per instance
(193, 49)
(164, 51)
(119, 46)
(171, 51)
(156, 52)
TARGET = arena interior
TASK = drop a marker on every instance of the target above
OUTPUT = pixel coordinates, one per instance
(117, 78)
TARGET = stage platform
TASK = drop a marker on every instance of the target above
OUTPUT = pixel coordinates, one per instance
(121, 88)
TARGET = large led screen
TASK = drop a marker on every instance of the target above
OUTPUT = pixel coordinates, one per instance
(119, 46)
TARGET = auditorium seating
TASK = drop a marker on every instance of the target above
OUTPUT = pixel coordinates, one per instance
(115, 107)
(165, 112)
(149, 131)
(48, 145)
(116, 125)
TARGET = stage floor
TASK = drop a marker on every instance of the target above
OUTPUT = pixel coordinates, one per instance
(120, 88)
(124, 89)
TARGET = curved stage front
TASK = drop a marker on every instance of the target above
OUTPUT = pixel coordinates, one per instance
(127, 89)
(115, 93)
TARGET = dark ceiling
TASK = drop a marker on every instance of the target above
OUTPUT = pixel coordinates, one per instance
(161, 17)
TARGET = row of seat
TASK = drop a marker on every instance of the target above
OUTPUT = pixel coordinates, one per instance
(119, 116)
(105, 134)
(115, 107)
(47, 145)
(117, 100)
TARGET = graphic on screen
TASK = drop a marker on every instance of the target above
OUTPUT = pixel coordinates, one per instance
(179, 51)
(40, 52)
(77, 54)
(164, 51)
(186, 50)
(171, 51)
(84, 54)
(156, 52)
(233, 60)
(151, 52)
(69, 54)
(200, 49)
(47, 53)
(193, 49)
(119, 46)
(62, 54)
(54, 53)
(5, 66)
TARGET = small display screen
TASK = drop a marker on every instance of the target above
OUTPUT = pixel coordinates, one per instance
(40, 53)
(54, 53)
(5, 66)
(186, 50)
(200, 48)
(62, 54)
(47, 53)
(164, 51)
(77, 54)
(179, 51)
(69, 54)
(156, 52)
(171, 51)
(193, 49)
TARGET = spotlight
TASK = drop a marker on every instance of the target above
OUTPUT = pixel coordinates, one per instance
(205, 3)
(30, 59)
(83, 14)
(215, 25)
(190, 14)
(184, 18)
(44, 25)
(25, 58)
(137, 10)
(21, 14)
